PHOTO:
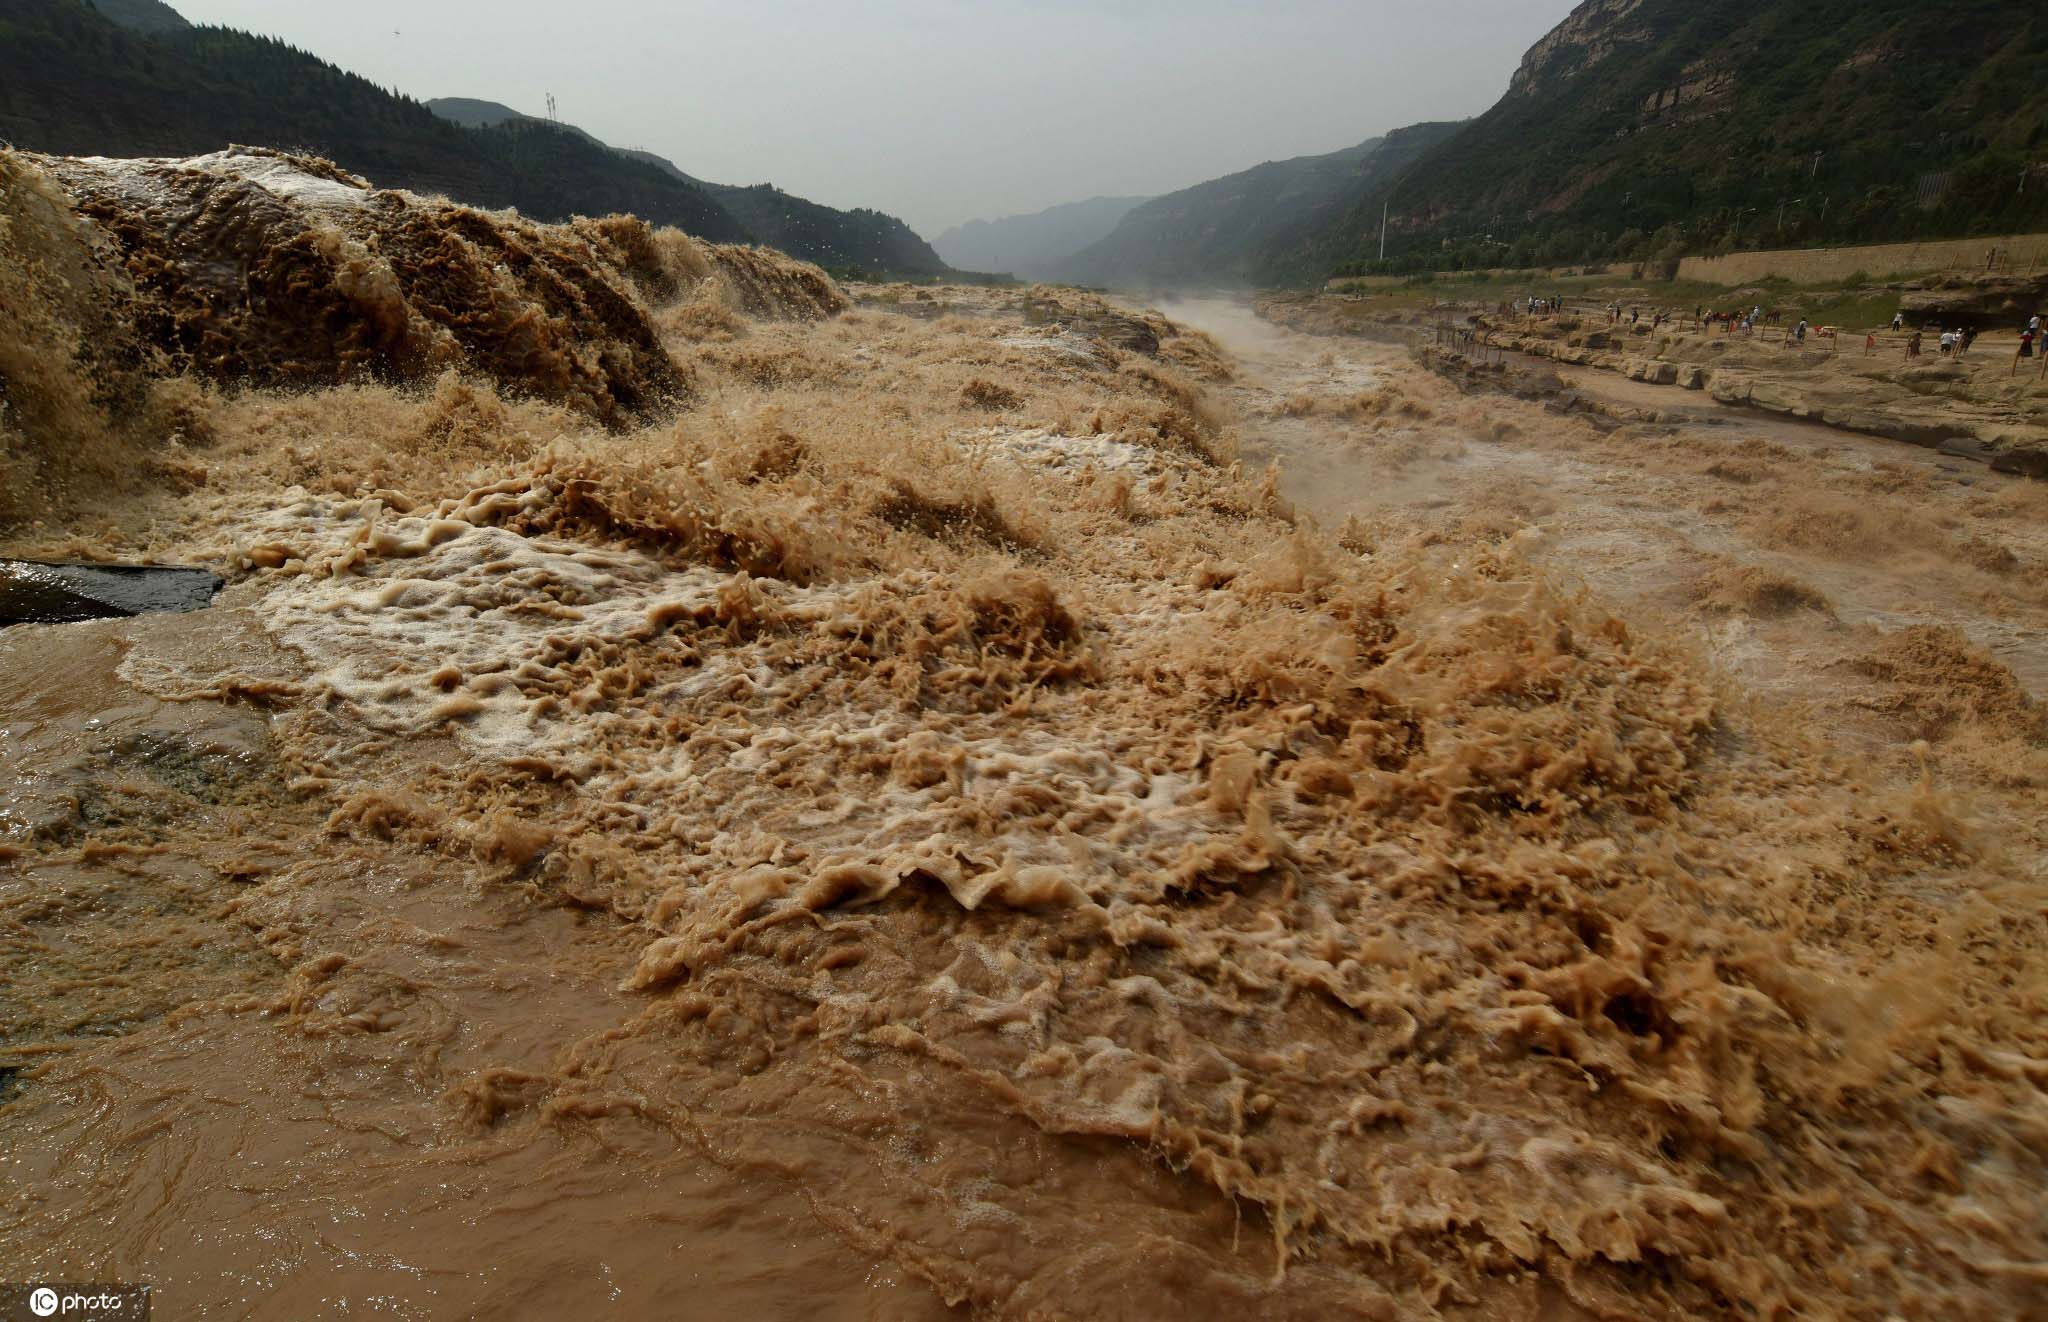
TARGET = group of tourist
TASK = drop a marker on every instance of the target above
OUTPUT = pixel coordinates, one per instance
(2030, 337)
(1957, 342)
(1951, 344)
(1730, 322)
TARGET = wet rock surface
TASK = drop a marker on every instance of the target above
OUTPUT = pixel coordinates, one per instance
(1982, 302)
(1926, 402)
(35, 592)
(1115, 327)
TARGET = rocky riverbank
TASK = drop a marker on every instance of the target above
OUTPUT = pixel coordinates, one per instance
(1976, 405)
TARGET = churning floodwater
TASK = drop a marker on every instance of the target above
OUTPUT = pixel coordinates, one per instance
(885, 807)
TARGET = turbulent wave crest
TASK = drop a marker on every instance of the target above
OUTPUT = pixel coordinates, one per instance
(257, 267)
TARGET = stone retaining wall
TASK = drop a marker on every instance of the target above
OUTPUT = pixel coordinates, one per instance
(2019, 254)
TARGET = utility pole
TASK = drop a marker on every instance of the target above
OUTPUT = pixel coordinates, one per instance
(1385, 205)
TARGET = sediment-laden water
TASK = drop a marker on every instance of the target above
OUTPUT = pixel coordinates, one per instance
(905, 819)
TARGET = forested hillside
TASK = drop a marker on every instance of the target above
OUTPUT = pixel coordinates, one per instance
(1641, 128)
(842, 240)
(142, 15)
(1264, 225)
(1215, 231)
(72, 81)
(858, 239)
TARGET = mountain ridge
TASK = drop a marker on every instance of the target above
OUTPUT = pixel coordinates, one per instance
(75, 82)
(835, 238)
(129, 78)
(1241, 228)
(142, 15)
(1641, 129)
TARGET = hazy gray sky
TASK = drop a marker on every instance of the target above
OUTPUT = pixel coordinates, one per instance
(939, 111)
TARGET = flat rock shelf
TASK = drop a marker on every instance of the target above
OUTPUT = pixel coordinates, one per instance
(34, 592)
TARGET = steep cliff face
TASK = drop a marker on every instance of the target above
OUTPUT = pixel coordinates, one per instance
(1600, 39)
(1589, 35)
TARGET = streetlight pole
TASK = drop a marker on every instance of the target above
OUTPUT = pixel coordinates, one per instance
(1387, 205)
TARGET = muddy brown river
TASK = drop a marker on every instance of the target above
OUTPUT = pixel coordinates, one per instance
(1859, 537)
(931, 832)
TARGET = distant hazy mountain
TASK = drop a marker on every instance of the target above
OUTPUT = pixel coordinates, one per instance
(1218, 232)
(860, 238)
(1033, 246)
(142, 15)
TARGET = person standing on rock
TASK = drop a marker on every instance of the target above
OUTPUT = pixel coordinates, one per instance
(1899, 319)
(1870, 345)
(1913, 346)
